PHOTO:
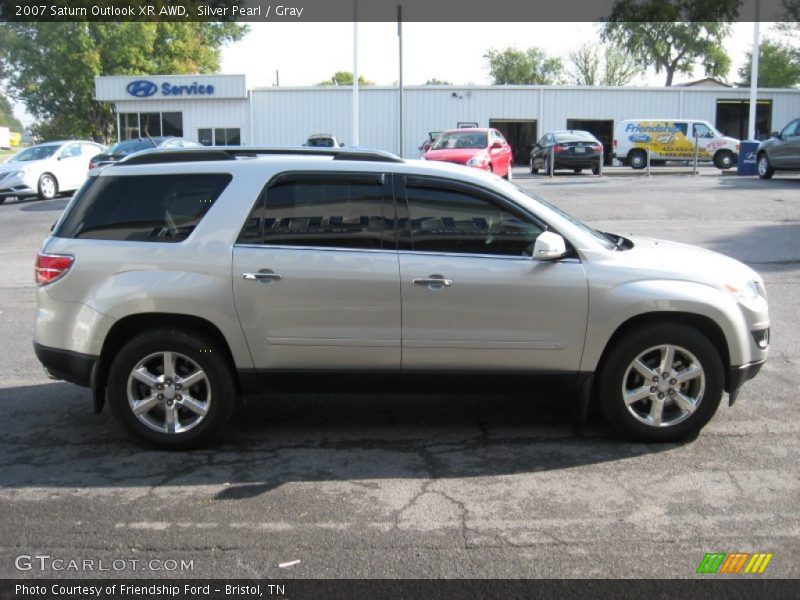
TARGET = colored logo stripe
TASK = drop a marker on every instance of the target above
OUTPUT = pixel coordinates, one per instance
(719, 562)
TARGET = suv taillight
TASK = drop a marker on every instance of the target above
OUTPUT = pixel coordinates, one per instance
(51, 267)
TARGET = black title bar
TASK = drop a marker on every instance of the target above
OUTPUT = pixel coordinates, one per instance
(379, 10)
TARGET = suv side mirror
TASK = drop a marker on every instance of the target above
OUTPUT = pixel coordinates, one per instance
(549, 246)
(496, 145)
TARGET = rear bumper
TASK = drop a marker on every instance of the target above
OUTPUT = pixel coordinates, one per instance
(63, 364)
(576, 162)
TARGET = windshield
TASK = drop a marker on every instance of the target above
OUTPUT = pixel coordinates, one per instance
(131, 146)
(34, 153)
(601, 237)
(461, 139)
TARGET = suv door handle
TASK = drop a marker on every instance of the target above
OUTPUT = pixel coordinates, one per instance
(264, 276)
(434, 281)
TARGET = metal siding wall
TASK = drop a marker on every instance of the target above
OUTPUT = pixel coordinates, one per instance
(288, 115)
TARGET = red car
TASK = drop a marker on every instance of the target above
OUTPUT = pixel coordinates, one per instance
(483, 149)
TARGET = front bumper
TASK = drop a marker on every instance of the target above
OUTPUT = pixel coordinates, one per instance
(737, 376)
(16, 186)
(63, 364)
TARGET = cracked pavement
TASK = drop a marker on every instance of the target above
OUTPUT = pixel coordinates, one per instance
(378, 484)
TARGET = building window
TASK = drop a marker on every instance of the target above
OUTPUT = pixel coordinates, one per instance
(150, 124)
(172, 124)
(129, 126)
(135, 125)
(220, 136)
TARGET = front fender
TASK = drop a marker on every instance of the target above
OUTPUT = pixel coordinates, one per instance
(610, 308)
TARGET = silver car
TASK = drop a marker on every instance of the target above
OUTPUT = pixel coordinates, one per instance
(781, 152)
(47, 169)
(176, 281)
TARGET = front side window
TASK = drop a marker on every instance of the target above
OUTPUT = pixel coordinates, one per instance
(791, 129)
(142, 208)
(320, 210)
(443, 219)
(701, 130)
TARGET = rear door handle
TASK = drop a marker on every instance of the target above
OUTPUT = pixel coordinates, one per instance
(264, 276)
(435, 282)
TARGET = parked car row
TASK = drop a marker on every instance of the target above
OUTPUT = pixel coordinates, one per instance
(52, 168)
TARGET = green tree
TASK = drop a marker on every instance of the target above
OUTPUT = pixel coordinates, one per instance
(436, 81)
(778, 66)
(7, 118)
(51, 66)
(524, 67)
(673, 36)
(344, 78)
(614, 67)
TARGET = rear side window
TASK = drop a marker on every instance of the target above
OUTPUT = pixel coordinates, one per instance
(142, 208)
(321, 210)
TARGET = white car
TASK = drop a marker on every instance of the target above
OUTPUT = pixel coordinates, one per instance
(47, 169)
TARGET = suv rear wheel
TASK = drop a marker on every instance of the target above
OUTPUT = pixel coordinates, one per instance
(765, 170)
(171, 389)
(662, 383)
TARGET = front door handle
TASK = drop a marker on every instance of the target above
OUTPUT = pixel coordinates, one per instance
(264, 276)
(434, 282)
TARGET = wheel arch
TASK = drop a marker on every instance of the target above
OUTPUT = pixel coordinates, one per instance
(705, 325)
(128, 327)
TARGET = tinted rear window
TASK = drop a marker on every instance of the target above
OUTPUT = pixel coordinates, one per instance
(575, 136)
(142, 208)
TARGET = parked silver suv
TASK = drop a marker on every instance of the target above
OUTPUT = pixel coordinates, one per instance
(178, 280)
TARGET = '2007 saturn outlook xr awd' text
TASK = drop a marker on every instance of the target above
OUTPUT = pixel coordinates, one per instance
(178, 280)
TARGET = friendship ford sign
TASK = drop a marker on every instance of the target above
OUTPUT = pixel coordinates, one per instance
(142, 88)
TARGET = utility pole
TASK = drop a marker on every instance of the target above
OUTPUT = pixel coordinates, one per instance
(754, 72)
(355, 73)
(400, 78)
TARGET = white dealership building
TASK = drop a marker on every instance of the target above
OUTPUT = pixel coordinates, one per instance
(222, 110)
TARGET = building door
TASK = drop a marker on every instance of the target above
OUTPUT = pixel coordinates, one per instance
(521, 134)
(733, 116)
(603, 130)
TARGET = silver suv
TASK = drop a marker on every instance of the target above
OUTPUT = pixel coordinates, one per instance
(178, 280)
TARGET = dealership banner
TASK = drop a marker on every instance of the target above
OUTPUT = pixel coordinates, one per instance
(389, 589)
(383, 10)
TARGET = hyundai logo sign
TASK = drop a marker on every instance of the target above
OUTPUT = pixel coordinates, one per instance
(141, 88)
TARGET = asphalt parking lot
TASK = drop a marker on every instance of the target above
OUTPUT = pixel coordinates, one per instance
(383, 485)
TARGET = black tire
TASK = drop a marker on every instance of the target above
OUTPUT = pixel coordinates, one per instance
(763, 167)
(47, 188)
(577, 171)
(547, 166)
(489, 168)
(637, 159)
(724, 159)
(207, 355)
(612, 378)
(534, 170)
(596, 170)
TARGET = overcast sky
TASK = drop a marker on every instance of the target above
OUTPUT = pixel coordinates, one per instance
(307, 53)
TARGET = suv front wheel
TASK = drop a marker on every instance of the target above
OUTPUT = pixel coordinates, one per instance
(171, 389)
(662, 383)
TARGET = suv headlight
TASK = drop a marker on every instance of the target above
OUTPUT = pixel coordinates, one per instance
(750, 290)
(20, 173)
(477, 161)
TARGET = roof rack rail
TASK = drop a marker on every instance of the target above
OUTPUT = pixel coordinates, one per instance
(176, 155)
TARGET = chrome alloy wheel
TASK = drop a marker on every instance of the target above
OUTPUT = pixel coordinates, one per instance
(169, 392)
(663, 386)
(763, 165)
